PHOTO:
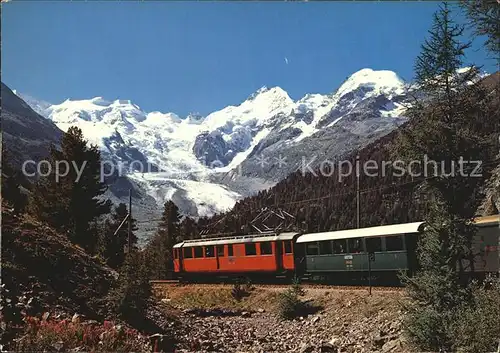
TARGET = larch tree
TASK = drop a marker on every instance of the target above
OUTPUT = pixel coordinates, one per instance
(159, 248)
(485, 20)
(70, 196)
(113, 246)
(443, 127)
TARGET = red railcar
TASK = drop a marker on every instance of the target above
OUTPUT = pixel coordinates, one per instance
(247, 255)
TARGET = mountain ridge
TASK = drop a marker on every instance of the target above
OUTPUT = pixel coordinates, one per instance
(234, 152)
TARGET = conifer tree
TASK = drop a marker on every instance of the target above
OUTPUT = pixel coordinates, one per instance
(485, 19)
(12, 181)
(159, 248)
(443, 127)
(113, 246)
(69, 200)
(131, 295)
(187, 229)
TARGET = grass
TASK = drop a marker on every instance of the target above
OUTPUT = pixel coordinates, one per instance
(190, 297)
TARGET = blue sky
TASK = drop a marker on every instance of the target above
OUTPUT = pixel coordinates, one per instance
(201, 56)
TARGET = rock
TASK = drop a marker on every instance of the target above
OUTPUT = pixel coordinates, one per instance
(392, 346)
(75, 318)
(327, 347)
(306, 348)
(45, 316)
(58, 346)
(380, 340)
(334, 341)
(315, 319)
(261, 310)
(245, 314)
(166, 300)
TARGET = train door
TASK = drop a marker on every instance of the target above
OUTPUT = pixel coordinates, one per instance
(180, 256)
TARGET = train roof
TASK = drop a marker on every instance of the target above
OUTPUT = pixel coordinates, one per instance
(394, 229)
(378, 231)
(487, 220)
(387, 230)
(254, 238)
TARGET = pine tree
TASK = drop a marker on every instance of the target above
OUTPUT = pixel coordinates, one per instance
(485, 19)
(443, 127)
(187, 229)
(12, 181)
(159, 248)
(70, 202)
(132, 293)
(113, 246)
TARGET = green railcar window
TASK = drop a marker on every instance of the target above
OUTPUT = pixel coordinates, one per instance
(374, 244)
(355, 245)
(339, 246)
(198, 251)
(394, 243)
(266, 248)
(188, 253)
(325, 247)
(220, 250)
(312, 249)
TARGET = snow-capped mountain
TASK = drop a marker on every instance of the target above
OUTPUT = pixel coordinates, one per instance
(249, 146)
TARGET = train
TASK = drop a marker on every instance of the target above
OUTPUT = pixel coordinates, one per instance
(379, 253)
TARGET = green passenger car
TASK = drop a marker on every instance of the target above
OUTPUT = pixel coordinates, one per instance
(386, 249)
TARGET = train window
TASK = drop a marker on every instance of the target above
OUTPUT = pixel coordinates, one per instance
(188, 253)
(250, 249)
(394, 243)
(209, 251)
(325, 247)
(220, 250)
(266, 248)
(312, 249)
(198, 251)
(355, 245)
(374, 244)
(288, 247)
(339, 246)
(230, 250)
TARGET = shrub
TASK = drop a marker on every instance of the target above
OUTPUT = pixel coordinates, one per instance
(473, 326)
(131, 295)
(289, 304)
(248, 287)
(477, 327)
(297, 288)
(239, 292)
(42, 336)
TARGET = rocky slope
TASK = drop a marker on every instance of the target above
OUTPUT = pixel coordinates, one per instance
(45, 275)
(26, 134)
(345, 321)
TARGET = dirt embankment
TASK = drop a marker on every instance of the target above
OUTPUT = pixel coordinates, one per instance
(46, 277)
(342, 320)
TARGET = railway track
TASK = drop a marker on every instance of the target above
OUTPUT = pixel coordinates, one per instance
(280, 286)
